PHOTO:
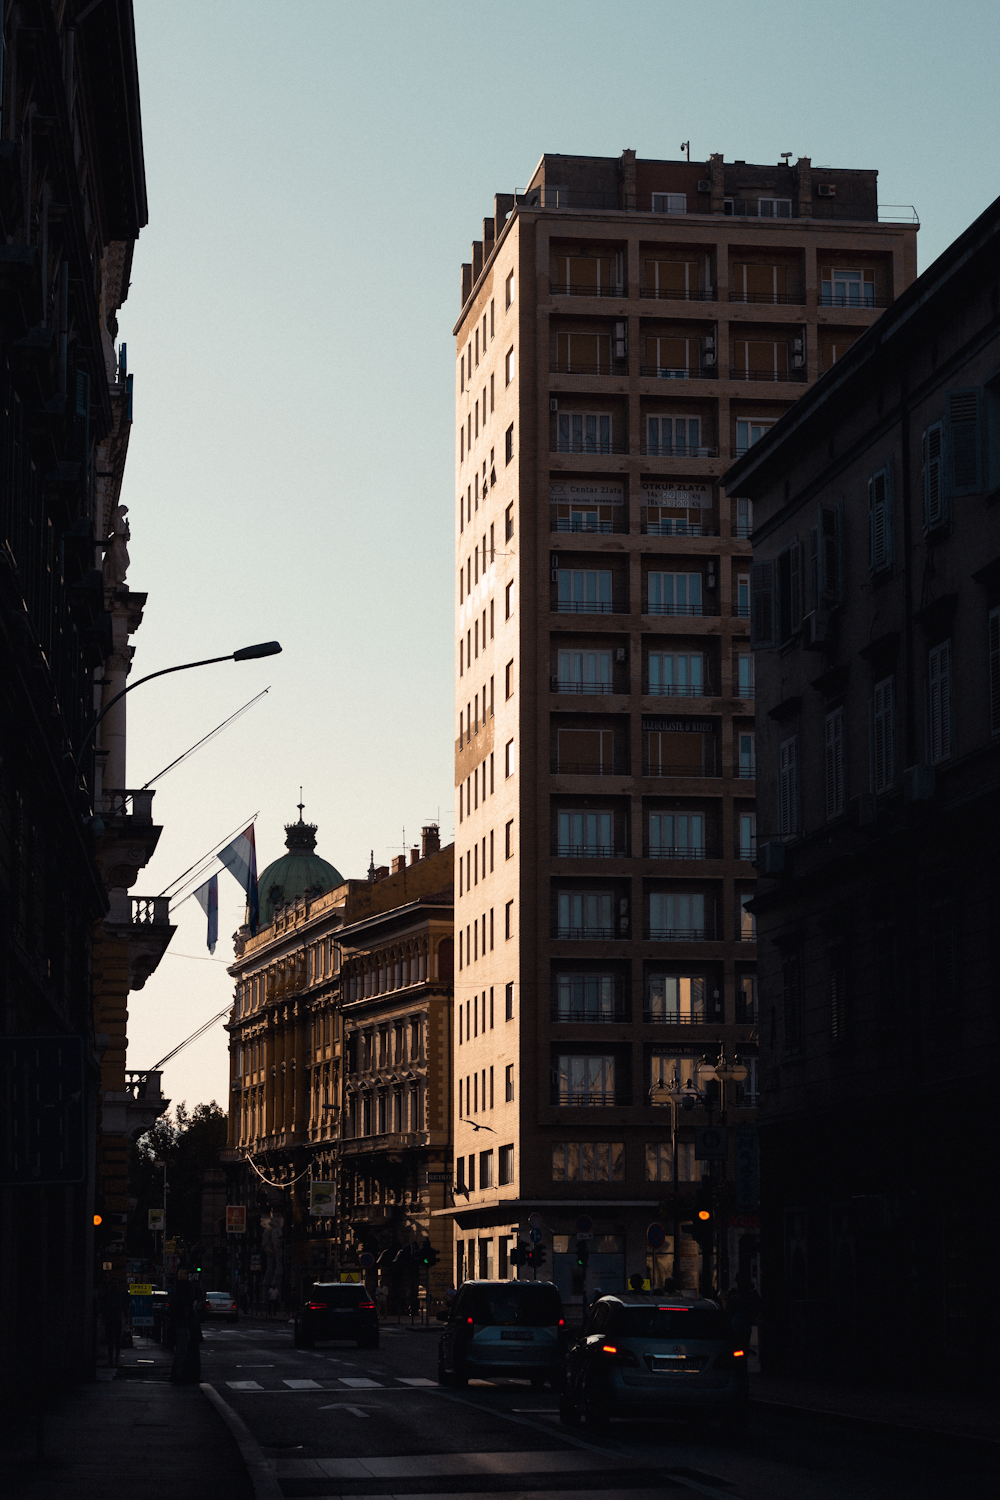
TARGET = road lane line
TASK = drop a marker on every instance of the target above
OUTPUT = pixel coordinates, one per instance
(244, 1385)
(360, 1382)
(415, 1380)
(302, 1385)
(358, 1411)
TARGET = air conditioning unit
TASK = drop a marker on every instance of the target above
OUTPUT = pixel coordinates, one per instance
(553, 403)
(620, 654)
(708, 357)
(826, 189)
(621, 344)
(918, 783)
(710, 576)
(770, 858)
(798, 353)
(704, 186)
(817, 630)
(554, 566)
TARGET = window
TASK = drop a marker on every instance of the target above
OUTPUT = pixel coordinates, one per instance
(509, 679)
(509, 289)
(585, 914)
(509, 919)
(834, 780)
(507, 597)
(674, 594)
(585, 833)
(791, 1001)
(748, 433)
(788, 788)
(741, 593)
(506, 1155)
(678, 1065)
(744, 675)
(588, 1161)
(509, 1002)
(851, 288)
(748, 836)
(585, 997)
(509, 839)
(583, 432)
(759, 283)
(676, 675)
(586, 275)
(583, 591)
(747, 920)
(508, 758)
(509, 443)
(461, 443)
(675, 998)
(993, 629)
(671, 358)
(939, 702)
(485, 1169)
(584, 672)
(585, 1080)
(774, 208)
(935, 505)
(477, 346)
(509, 519)
(964, 442)
(677, 436)
(677, 916)
(746, 999)
(880, 520)
(789, 580)
(762, 620)
(670, 203)
(883, 736)
(676, 836)
(760, 359)
(660, 1162)
(508, 366)
(492, 322)
(677, 280)
(824, 557)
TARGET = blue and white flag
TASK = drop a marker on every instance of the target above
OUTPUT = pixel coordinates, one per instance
(207, 897)
(240, 859)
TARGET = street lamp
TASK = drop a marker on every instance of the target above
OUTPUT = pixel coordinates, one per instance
(245, 653)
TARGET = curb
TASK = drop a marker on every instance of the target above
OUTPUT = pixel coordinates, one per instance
(262, 1476)
(879, 1425)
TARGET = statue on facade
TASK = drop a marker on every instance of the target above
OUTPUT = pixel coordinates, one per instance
(116, 558)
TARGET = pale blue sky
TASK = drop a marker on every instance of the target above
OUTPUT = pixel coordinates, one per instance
(316, 174)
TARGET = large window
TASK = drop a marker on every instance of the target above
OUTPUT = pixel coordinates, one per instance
(847, 288)
(759, 283)
(760, 359)
(677, 916)
(675, 1065)
(748, 836)
(834, 735)
(584, 275)
(584, 671)
(671, 358)
(676, 674)
(585, 591)
(744, 675)
(506, 1165)
(675, 999)
(674, 594)
(676, 836)
(660, 1162)
(748, 433)
(774, 208)
(585, 997)
(588, 1161)
(670, 203)
(586, 833)
(585, 1080)
(585, 914)
(747, 920)
(676, 437)
(939, 702)
(585, 752)
(674, 279)
(583, 432)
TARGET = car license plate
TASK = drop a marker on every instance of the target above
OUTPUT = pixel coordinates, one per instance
(673, 1363)
(521, 1334)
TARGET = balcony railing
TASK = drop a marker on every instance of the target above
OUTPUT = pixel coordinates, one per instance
(743, 532)
(746, 849)
(668, 372)
(590, 851)
(578, 524)
(771, 376)
(741, 611)
(588, 445)
(665, 768)
(676, 450)
(585, 934)
(679, 690)
(746, 1015)
(675, 609)
(769, 299)
(560, 289)
(590, 1098)
(583, 1015)
(746, 691)
(704, 934)
(119, 802)
(658, 1015)
(666, 294)
(683, 851)
(150, 911)
(617, 767)
(144, 1086)
(594, 689)
(677, 528)
(588, 607)
(575, 367)
(746, 773)
(831, 299)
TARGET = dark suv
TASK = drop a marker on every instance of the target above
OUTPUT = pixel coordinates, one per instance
(513, 1328)
(337, 1310)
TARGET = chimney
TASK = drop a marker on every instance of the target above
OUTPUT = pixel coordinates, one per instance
(398, 863)
(430, 840)
(803, 173)
(477, 260)
(626, 173)
(381, 872)
(718, 179)
(488, 237)
(466, 282)
(503, 204)
(414, 855)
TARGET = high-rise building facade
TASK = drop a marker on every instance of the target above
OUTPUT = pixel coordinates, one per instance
(626, 327)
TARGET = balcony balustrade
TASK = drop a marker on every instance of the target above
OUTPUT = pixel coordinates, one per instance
(667, 372)
(617, 767)
(677, 528)
(590, 851)
(669, 294)
(676, 450)
(794, 376)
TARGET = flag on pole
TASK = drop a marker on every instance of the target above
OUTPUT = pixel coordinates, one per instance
(240, 859)
(207, 897)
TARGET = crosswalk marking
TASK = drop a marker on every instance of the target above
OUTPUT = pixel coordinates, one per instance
(423, 1465)
(302, 1385)
(415, 1380)
(244, 1385)
(359, 1383)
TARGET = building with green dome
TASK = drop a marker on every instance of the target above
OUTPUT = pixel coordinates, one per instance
(300, 872)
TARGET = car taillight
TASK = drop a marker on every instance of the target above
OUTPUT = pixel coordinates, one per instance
(469, 1321)
(562, 1322)
(739, 1353)
(619, 1356)
(316, 1306)
(366, 1306)
(232, 1307)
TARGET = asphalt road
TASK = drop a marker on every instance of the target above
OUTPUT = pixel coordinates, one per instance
(341, 1421)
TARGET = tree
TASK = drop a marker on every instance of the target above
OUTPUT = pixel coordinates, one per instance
(189, 1142)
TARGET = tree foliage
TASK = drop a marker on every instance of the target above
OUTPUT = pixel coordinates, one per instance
(189, 1142)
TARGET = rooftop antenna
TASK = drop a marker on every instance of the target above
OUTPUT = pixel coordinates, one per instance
(686, 146)
(301, 805)
(786, 156)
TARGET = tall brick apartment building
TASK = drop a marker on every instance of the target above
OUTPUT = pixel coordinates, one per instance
(627, 327)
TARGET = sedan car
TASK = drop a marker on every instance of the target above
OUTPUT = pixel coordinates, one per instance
(648, 1355)
(513, 1328)
(218, 1305)
(337, 1310)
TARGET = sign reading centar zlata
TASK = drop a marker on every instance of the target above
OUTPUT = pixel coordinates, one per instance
(587, 492)
(680, 492)
(322, 1198)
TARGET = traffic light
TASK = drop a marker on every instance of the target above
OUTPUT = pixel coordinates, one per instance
(428, 1255)
(703, 1225)
(520, 1254)
(537, 1256)
(582, 1253)
(98, 1220)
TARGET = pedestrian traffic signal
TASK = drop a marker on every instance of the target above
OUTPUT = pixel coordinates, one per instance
(582, 1252)
(428, 1255)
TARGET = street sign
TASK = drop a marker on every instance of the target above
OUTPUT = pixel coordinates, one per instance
(322, 1198)
(584, 1224)
(583, 1234)
(140, 1289)
(711, 1143)
(255, 1262)
(366, 1259)
(535, 1221)
(156, 1218)
(350, 1275)
(656, 1236)
(236, 1218)
(535, 1235)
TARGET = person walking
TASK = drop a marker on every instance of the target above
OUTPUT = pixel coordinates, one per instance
(186, 1368)
(273, 1297)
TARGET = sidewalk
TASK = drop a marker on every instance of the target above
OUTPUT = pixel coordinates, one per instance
(134, 1437)
(928, 1414)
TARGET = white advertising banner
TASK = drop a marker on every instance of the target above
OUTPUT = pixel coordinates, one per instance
(693, 494)
(587, 492)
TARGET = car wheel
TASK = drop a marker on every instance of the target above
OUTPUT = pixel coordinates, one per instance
(443, 1377)
(537, 1382)
(460, 1375)
(569, 1412)
(595, 1415)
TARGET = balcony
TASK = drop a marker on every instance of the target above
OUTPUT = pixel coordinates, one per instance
(740, 611)
(683, 851)
(590, 851)
(768, 299)
(592, 689)
(863, 303)
(585, 934)
(676, 609)
(617, 767)
(747, 772)
(584, 1015)
(772, 376)
(659, 769)
(679, 690)
(130, 836)
(704, 934)
(586, 525)
(746, 849)
(675, 450)
(667, 294)
(143, 924)
(560, 289)
(588, 445)
(590, 1098)
(746, 691)
(677, 528)
(608, 369)
(665, 372)
(133, 1110)
(660, 1015)
(588, 607)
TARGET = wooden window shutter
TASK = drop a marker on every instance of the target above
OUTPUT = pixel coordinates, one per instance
(787, 790)
(835, 763)
(880, 519)
(883, 749)
(939, 702)
(935, 509)
(964, 442)
(829, 566)
(994, 639)
(795, 592)
(762, 604)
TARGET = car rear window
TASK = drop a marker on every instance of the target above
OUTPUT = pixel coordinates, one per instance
(346, 1294)
(669, 1323)
(527, 1305)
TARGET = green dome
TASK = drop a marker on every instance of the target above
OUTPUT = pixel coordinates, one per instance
(300, 872)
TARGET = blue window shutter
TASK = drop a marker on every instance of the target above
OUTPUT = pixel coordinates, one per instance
(762, 622)
(964, 442)
(935, 500)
